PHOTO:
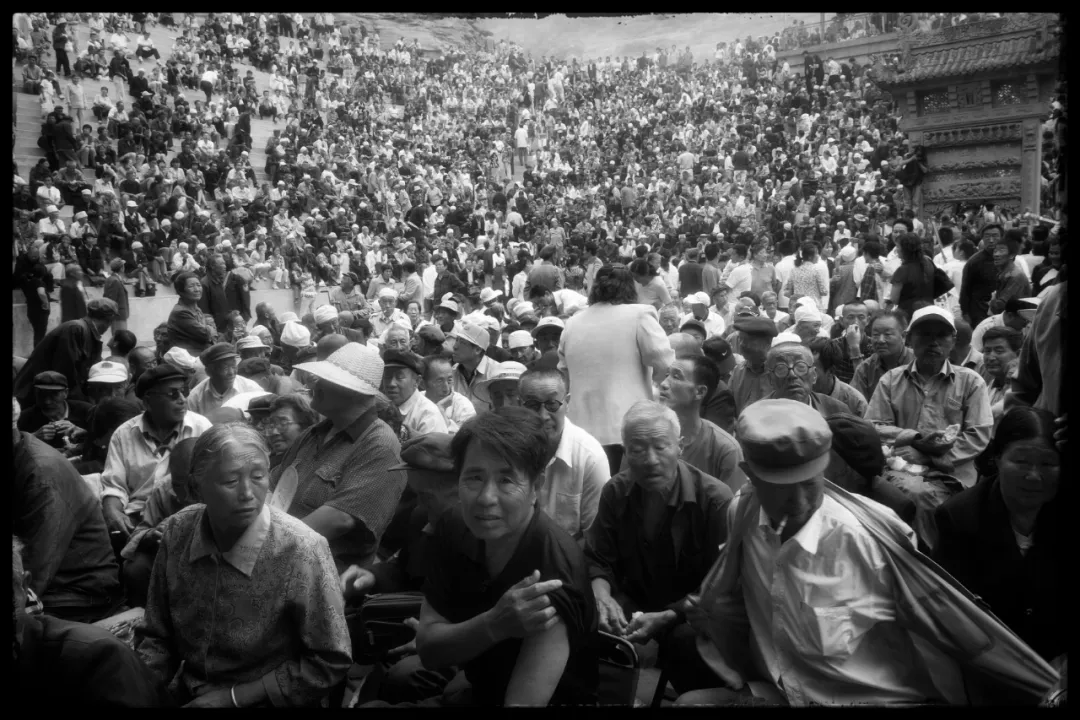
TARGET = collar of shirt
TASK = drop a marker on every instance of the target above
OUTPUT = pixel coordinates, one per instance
(160, 445)
(807, 536)
(946, 370)
(354, 431)
(565, 453)
(244, 553)
(683, 492)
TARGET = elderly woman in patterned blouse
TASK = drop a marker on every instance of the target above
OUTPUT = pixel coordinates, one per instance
(244, 595)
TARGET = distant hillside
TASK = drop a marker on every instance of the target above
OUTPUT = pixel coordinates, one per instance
(563, 37)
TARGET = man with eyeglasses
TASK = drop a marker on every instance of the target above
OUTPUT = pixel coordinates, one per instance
(138, 455)
(287, 418)
(579, 466)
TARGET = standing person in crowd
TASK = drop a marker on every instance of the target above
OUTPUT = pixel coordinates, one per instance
(115, 290)
(980, 277)
(611, 351)
(1011, 281)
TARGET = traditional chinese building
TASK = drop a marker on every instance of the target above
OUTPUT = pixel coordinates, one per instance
(975, 97)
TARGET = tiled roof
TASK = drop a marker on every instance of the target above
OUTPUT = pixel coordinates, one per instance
(960, 60)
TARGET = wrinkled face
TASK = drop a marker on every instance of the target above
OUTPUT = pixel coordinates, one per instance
(546, 397)
(796, 365)
(439, 380)
(754, 347)
(399, 384)
(669, 321)
(796, 502)
(887, 337)
(678, 390)
(387, 304)
(548, 340)
(234, 487)
(281, 429)
(222, 374)
(504, 393)
(997, 355)
(496, 498)
(397, 339)
(652, 454)
(51, 402)
(932, 342)
(807, 330)
(167, 402)
(466, 352)
(1028, 473)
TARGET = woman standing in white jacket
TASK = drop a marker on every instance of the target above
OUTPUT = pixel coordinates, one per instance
(610, 351)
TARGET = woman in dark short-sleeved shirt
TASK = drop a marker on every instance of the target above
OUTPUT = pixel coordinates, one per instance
(486, 548)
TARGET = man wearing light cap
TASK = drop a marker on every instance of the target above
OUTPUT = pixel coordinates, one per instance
(808, 321)
(326, 321)
(471, 363)
(810, 602)
(221, 383)
(936, 415)
(402, 371)
(522, 348)
(389, 314)
(106, 379)
(700, 310)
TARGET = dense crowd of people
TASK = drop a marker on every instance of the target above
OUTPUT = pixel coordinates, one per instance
(855, 26)
(653, 350)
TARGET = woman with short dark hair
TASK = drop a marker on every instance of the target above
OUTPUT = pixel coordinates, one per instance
(189, 328)
(650, 287)
(500, 552)
(913, 281)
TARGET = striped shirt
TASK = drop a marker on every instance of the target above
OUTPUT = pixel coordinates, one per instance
(136, 461)
(349, 472)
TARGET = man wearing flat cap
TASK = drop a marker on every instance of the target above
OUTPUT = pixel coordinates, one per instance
(751, 381)
(402, 371)
(936, 416)
(221, 381)
(819, 597)
(138, 456)
(53, 417)
(69, 349)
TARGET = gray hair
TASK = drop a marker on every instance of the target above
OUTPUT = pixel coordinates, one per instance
(649, 412)
(207, 451)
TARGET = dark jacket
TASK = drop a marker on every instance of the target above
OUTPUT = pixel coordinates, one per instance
(719, 409)
(69, 349)
(976, 545)
(978, 284)
(690, 277)
(31, 419)
(187, 332)
(219, 300)
(448, 282)
(72, 300)
(116, 291)
(64, 664)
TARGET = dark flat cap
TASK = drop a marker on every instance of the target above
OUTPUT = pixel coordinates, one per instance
(253, 366)
(784, 442)
(260, 406)
(857, 443)
(307, 354)
(696, 324)
(756, 326)
(403, 359)
(220, 351)
(50, 380)
(157, 375)
(427, 459)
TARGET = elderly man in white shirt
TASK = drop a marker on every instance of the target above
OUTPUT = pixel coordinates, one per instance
(222, 383)
(439, 381)
(402, 371)
(579, 468)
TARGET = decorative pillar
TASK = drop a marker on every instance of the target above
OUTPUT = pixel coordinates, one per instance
(1030, 165)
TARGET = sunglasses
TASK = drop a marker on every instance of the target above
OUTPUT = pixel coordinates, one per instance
(174, 394)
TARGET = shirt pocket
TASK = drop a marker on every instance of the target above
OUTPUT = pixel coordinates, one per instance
(827, 632)
(568, 511)
(321, 487)
(954, 411)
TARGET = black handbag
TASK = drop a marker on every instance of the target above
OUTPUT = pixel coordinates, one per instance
(379, 626)
(942, 283)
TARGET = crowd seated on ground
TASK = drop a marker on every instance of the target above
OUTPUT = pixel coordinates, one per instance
(571, 346)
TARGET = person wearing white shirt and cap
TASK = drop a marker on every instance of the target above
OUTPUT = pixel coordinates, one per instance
(222, 381)
(793, 535)
(326, 321)
(521, 346)
(808, 321)
(699, 310)
(402, 371)
(500, 389)
(389, 314)
(294, 338)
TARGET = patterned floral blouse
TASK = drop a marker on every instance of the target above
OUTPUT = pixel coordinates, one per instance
(270, 608)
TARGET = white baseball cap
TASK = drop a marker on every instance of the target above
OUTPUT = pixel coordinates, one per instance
(931, 313)
(520, 339)
(108, 372)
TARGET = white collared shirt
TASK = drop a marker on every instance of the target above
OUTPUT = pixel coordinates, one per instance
(484, 370)
(822, 613)
(456, 409)
(573, 480)
(204, 399)
(421, 415)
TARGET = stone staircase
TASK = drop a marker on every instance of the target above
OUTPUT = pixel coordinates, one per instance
(26, 153)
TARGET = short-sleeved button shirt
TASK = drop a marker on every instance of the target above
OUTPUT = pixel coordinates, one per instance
(459, 588)
(350, 473)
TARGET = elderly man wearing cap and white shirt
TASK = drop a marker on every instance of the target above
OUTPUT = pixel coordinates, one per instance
(935, 414)
(402, 371)
(337, 477)
(810, 601)
(388, 314)
(700, 310)
(106, 379)
(522, 347)
(138, 456)
(221, 381)
(472, 365)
